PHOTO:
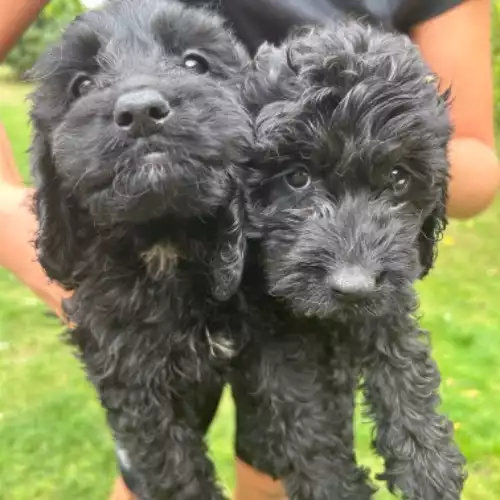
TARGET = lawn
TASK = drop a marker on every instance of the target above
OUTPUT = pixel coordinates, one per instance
(53, 441)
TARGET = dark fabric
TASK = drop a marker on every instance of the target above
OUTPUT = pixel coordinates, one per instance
(257, 21)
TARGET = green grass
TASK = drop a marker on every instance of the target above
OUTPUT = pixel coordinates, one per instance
(53, 441)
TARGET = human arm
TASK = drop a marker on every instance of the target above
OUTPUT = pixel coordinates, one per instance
(17, 230)
(17, 222)
(456, 44)
(15, 17)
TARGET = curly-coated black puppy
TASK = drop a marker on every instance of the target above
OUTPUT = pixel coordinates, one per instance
(139, 130)
(347, 195)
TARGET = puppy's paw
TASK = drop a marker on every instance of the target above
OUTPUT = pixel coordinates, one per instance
(431, 476)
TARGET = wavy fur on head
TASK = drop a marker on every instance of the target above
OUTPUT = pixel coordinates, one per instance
(139, 131)
(346, 198)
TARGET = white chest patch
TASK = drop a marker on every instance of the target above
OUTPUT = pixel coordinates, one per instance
(160, 259)
(220, 347)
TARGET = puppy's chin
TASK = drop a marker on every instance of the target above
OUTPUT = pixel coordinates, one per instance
(153, 187)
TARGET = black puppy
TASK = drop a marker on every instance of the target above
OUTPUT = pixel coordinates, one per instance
(347, 196)
(138, 133)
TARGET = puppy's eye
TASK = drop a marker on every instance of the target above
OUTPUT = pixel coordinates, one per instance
(81, 85)
(196, 62)
(298, 178)
(399, 180)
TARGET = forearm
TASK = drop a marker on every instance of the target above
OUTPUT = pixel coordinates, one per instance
(15, 17)
(8, 170)
(17, 253)
(462, 59)
(17, 231)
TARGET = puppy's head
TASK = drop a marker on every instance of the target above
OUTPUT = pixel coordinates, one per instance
(348, 187)
(136, 116)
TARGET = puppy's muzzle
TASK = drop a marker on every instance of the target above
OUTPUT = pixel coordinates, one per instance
(355, 246)
(352, 282)
(370, 240)
(141, 112)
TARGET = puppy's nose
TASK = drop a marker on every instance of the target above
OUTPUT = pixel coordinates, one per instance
(141, 112)
(353, 281)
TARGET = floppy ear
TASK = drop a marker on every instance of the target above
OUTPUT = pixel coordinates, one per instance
(430, 234)
(229, 261)
(435, 224)
(55, 240)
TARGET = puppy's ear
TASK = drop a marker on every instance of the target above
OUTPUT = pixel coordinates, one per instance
(55, 241)
(430, 234)
(229, 261)
(435, 224)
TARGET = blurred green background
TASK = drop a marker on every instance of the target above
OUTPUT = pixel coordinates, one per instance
(54, 444)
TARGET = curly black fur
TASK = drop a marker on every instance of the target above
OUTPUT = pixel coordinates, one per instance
(346, 197)
(294, 398)
(138, 133)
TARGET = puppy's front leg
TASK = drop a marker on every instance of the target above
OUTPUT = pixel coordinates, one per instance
(292, 425)
(160, 429)
(167, 455)
(401, 384)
